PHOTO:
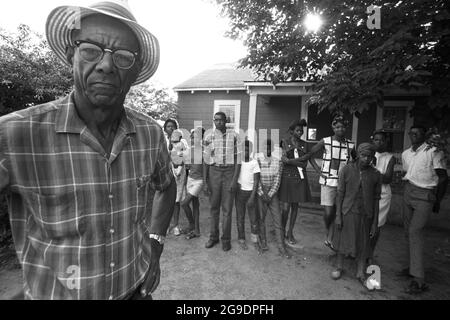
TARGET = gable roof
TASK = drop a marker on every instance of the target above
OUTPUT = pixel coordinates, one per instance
(223, 76)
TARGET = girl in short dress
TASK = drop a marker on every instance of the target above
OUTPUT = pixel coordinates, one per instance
(195, 183)
(294, 187)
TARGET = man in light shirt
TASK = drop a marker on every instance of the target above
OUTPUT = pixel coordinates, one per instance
(426, 182)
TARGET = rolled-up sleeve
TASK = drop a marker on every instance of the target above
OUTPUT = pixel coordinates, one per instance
(162, 175)
(4, 172)
(439, 161)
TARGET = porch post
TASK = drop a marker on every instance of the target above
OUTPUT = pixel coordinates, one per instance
(252, 117)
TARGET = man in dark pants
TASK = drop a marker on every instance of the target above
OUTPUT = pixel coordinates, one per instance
(222, 154)
(426, 182)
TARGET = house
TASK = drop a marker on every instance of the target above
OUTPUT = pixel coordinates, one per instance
(263, 109)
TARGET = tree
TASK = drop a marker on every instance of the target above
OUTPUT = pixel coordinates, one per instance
(350, 64)
(153, 101)
(30, 72)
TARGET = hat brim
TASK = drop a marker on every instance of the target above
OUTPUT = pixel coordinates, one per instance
(62, 20)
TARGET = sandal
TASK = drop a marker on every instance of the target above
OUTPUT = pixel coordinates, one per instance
(330, 245)
(191, 235)
(243, 245)
(284, 253)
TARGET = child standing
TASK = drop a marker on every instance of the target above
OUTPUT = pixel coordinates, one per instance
(195, 183)
(246, 197)
(271, 168)
(357, 207)
(177, 148)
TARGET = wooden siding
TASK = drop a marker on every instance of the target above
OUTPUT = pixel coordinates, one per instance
(200, 107)
(277, 113)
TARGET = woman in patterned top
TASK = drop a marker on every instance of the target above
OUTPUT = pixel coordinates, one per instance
(294, 186)
(336, 154)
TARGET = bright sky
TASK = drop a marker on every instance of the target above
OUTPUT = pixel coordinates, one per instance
(190, 32)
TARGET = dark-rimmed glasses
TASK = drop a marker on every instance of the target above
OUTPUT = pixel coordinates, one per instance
(94, 53)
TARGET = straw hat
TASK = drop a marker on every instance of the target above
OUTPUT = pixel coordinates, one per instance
(62, 20)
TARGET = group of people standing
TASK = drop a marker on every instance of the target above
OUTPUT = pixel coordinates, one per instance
(355, 189)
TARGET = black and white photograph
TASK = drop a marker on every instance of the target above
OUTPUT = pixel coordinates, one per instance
(225, 155)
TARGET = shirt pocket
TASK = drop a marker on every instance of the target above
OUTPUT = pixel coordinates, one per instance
(59, 215)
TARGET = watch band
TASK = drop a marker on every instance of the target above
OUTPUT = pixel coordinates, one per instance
(158, 238)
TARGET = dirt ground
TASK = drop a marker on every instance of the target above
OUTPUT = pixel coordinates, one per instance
(191, 272)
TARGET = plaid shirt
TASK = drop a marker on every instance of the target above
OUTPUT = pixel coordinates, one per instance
(222, 148)
(271, 169)
(80, 220)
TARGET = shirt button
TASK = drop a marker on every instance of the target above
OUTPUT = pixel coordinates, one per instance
(112, 264)
(111, 196)
(111, 231)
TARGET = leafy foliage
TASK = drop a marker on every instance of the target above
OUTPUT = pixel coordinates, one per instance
(30, 73)
(153, 101)
(351, 64)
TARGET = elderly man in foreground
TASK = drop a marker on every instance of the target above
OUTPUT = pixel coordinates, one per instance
(78, 171)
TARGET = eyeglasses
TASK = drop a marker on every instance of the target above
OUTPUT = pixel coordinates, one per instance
(94, 53)
(220, 120)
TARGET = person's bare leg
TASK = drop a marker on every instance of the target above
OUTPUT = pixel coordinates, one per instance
(187, 210)
(290, 234)
(176, 215)
(329, 216)
(285, 207)
(196, 207)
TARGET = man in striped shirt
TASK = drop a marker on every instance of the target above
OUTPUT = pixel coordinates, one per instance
(80, 172)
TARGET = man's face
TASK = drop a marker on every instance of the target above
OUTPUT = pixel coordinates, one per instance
(220, 122)
(416, 135)
(339, 129)
(102, 83)
(379, 142)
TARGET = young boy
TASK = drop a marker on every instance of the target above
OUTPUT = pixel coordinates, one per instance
(246, 197)
(359, 190)
(271, 170)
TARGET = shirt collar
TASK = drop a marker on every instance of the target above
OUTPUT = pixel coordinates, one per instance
(422, 146)
(68, 120)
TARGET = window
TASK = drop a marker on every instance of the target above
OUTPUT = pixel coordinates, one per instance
(394, 122)
(232, 108)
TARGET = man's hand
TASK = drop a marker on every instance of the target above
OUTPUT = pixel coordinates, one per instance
(234, 187)
(206, 188)
(437, 207)
(266, 198)
(251, 201)
(374, 230)
(153, 275)
(338, 222)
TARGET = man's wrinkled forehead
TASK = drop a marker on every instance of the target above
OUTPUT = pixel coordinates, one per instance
(104, 27)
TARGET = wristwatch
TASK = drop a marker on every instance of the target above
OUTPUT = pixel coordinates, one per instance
(158, 238)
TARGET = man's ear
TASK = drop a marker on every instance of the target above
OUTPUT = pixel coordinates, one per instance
(70, 51)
